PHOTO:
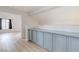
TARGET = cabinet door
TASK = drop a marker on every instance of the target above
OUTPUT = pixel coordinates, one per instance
(48, 41)
(28, 34)
(40, 38)
(73, 44)
(59, 43)
(34, 36)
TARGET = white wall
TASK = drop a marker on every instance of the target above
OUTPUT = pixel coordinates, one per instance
(28, 22)
(59, 16)
(16, 20)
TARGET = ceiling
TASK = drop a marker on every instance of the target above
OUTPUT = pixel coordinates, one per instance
(31, 9)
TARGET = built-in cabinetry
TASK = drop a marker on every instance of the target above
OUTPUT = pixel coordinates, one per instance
(59, 43)
(54, 42)
(48, 41)
(40, 40)
(73, 44)
(34, 36)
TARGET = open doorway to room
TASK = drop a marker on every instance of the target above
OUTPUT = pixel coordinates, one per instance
(10, 25)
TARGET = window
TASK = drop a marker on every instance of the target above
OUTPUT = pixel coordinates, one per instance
(5, 24)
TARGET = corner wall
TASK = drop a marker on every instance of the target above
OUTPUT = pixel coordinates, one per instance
(27, 23)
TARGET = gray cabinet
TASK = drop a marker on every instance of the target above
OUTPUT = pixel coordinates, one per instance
(73, 44)
(48, 41)
(53, 41)
(59, 43)
(40, 38)
(34, 36)
(29, 34)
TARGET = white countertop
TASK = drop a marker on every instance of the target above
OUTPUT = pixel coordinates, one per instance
(67, 32)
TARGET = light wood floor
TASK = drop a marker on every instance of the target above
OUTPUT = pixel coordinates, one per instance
(11, 42)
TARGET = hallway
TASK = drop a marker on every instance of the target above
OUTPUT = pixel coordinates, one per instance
(11, 42)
